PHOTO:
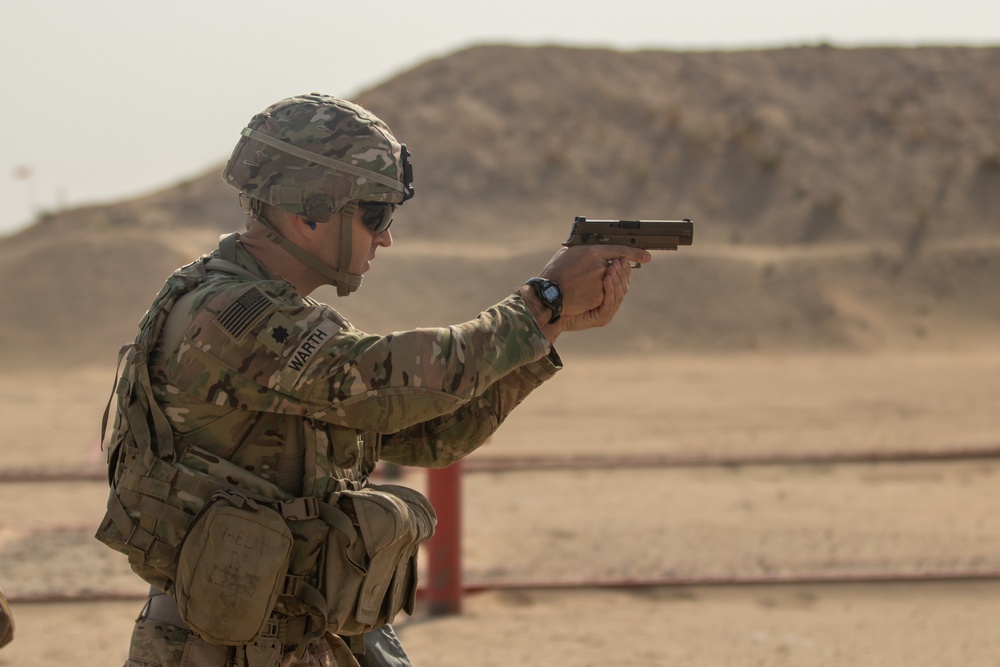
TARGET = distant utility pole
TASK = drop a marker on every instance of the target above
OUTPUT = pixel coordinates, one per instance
(26, 174)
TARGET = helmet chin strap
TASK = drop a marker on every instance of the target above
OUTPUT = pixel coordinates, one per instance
(346, 246)
(344, 282)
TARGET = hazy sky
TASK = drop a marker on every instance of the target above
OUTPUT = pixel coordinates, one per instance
(108, 99)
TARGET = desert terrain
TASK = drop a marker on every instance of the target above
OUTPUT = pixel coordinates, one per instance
(784, 451)
(599, 564)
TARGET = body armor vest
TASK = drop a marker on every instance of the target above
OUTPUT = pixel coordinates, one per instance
(162, 487)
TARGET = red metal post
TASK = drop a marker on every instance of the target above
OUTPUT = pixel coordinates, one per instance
(444, 550)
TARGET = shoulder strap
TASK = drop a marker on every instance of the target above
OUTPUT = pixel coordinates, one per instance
(226, 261)
(137, 410)
(227, 246)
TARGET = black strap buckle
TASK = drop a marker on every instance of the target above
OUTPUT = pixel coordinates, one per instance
(407, 173)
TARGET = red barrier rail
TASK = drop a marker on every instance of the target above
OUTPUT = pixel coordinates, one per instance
(445, 587)
(444, 490)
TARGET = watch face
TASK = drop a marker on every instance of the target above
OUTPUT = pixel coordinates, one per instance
(551, 292)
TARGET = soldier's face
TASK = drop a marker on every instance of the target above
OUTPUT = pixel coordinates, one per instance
(364, 243)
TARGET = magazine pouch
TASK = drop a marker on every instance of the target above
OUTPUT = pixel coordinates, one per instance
(371, 558)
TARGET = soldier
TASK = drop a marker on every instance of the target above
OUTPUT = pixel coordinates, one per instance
(240, 387)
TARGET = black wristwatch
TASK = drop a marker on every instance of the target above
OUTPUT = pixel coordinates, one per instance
(550, 295)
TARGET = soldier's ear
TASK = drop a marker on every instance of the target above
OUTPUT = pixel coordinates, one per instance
(302, 220)
(297, 228)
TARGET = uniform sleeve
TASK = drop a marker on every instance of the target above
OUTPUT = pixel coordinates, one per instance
(253, 348)
(442, 441)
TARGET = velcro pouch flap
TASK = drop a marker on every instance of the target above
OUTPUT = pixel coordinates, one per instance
(423, 519)
(392, 521)
(231, 568)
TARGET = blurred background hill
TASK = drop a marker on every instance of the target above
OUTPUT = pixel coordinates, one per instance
(844, 199)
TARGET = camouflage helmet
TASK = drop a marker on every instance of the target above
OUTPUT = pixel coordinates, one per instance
(313, 154)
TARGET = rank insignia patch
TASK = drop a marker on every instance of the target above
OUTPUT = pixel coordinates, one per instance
(278, 332)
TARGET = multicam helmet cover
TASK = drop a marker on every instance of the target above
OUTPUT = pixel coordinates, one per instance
(312, 154)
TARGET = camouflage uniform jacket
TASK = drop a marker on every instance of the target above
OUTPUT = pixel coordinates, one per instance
(285, 388)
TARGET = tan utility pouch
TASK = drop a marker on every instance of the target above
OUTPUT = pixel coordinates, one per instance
(231, 568)
(6, 621)
(371, 570)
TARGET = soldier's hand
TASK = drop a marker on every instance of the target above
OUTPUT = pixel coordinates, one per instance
(581, 272)
(617, 278)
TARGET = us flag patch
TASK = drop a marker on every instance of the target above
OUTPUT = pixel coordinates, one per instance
(241, 315)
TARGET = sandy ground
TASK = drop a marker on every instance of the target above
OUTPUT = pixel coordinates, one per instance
(530, 536)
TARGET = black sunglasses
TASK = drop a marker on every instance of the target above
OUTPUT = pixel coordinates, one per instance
(377, 216)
